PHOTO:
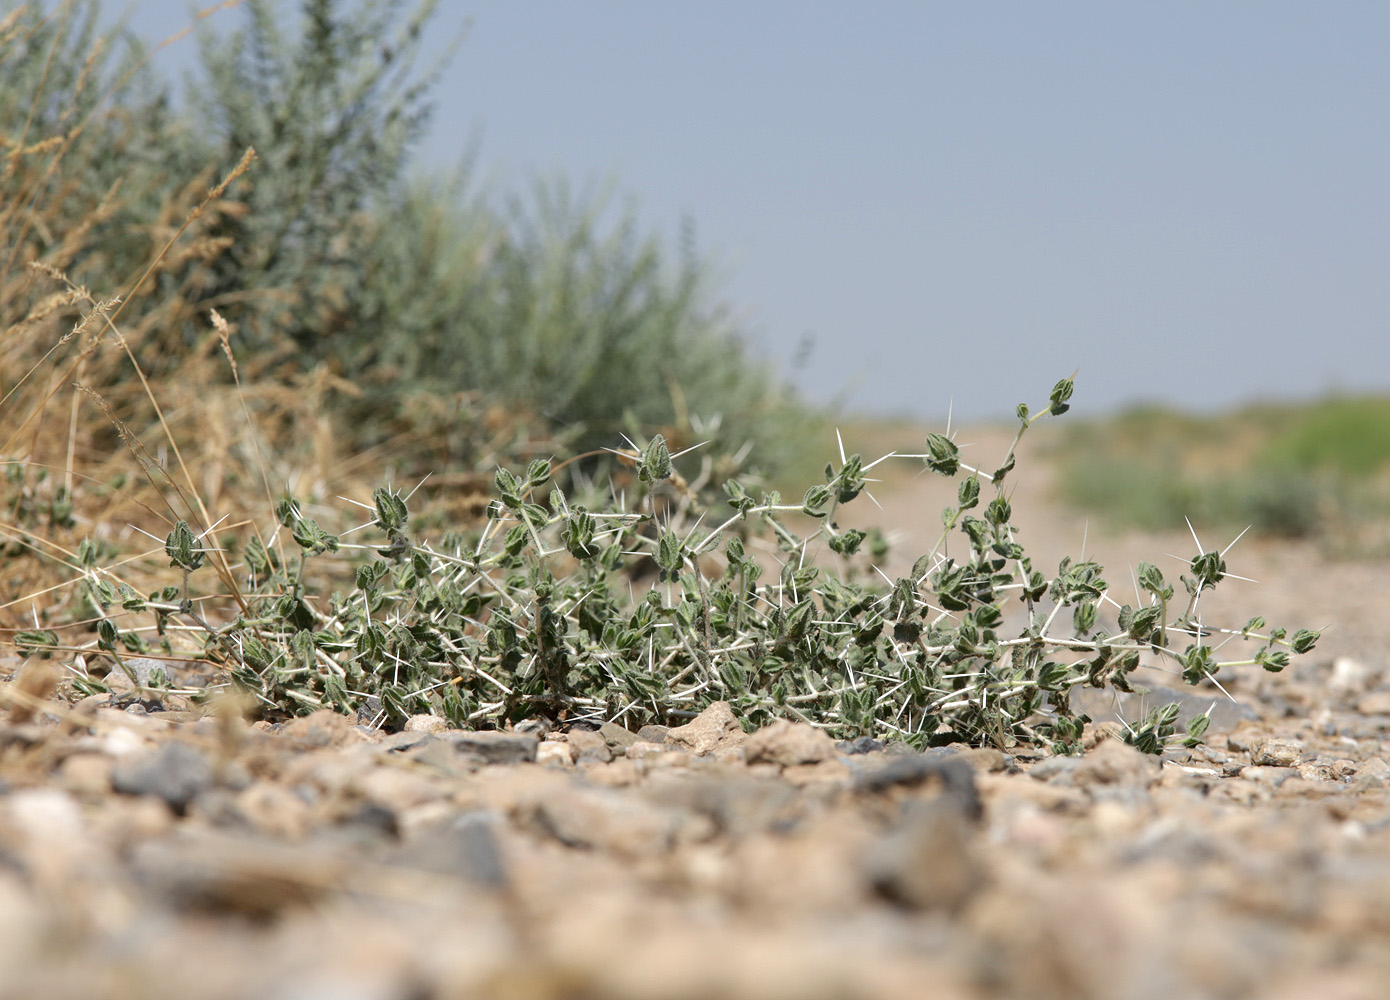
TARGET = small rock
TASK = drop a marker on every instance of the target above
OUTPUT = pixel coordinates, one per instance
(642, 748)
(789, 743)
(607, 820)
(86, 774)
(823, 774)
(1349, 675)
(465, 845)
(554, 752)
(369, 713)
(984, 758)
(176, 773)
(322, 729)
(589, 747)
(1375, 703)
(1276, 753)
(864, 744)
(425, 723)
(714, 728)
(1058, 769)
(136, 674)
(1373, 773)
(653, 734)
(494, 747)
(957, 779)
(540, 728)
(1116, 763)
(929, 861)
(1266, 775)
(618, 738)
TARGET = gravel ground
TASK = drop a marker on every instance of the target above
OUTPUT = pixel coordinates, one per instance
(146, 850)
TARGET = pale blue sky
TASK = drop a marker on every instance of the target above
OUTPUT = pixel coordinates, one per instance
(1190, 202)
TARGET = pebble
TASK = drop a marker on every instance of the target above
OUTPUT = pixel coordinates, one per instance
(643, 748)
(617, 738)
(493, 747)
(713, 729)
(176, 773)
(589, 747)
(789, 743)
(956, 778)
(603, 819)
(554, 752)
(1113, 762)
(426, 723)
(864, 744)
(1349, 674)
(1276, 753)
(1373, 773)
(1375, 703)
(464, 845)
(928, 861)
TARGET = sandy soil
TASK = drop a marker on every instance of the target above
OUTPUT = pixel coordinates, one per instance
(148, 851)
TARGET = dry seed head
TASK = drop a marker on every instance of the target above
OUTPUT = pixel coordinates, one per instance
(237, 171)
(224, 334)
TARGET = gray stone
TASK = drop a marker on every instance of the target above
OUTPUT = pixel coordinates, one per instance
(176, 773)
(464, 846)
(589, 747)
(608, 820)
(618, 738)
(928, 861)
(864, 744)
(737, 807)
(653, 734)
(493, 747)
(956, 778)
(369, 713)
(1055, 769)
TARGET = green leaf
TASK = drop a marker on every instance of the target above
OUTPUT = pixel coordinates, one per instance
(1304, 640)
(670, 554)
(814, 503)
(943, 457)
(656, 462)
(537, 473)
(847, 543)
(391, 512)
(968, 493)
(182, 548)
(509, 487)
(1061, 392)
(1209, 569)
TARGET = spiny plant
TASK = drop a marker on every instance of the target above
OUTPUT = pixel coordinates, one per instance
(642, 610)
(645, 604)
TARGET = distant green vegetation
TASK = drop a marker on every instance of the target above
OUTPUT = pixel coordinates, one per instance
(1314, 469)
(422, 302)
